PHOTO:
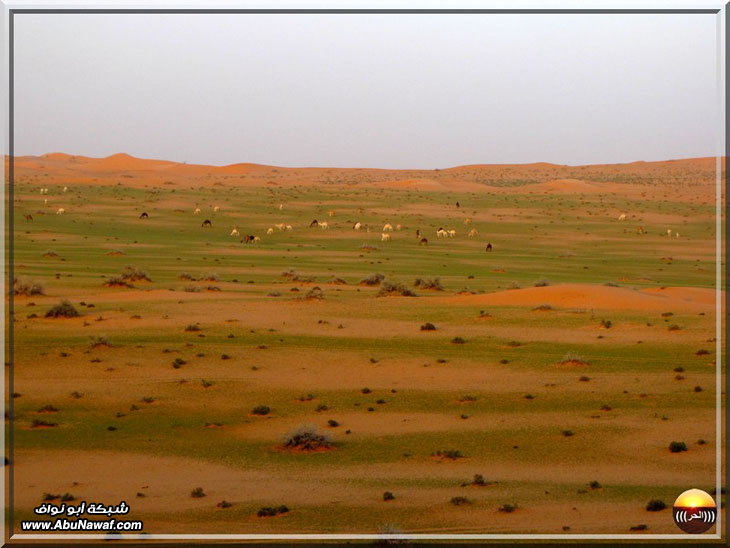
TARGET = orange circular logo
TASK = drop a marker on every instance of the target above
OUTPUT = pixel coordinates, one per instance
(694, 511)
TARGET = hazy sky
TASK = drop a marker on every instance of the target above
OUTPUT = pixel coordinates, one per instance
(393, 91)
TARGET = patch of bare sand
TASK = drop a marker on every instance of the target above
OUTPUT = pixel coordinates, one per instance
(588, 296)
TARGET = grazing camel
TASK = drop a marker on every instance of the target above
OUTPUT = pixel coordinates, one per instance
(270, 231)
(324, 225)
(385, 237)
(489, 247)
(248, 239)
(331, 213)
(457, 205)
(216, 209)
(60, 211)
(281, 206)
(388, 227)
(418, 233)
(280, 226)
(289, 227)
(235, 232)
(452, 233)
(29, 217)
(313, 223)
(441, 233)
(398, 227)
(144, 215)
(65, 188)
(256, 239)
(207, 224)
(196, 211)
(472, 233)
(669, 232)
(424, 241)
(357, 226)
(622, 217)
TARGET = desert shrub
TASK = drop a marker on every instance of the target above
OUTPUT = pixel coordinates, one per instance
(50, 496)
(698, 389)
(131, 274)
(197, 493)
(206, 384)
(514, 344)
(224, 504)
(321, 407)
(336, 281)
(192, 289)
(192, 327)
(674, 327)
(667, 314)
(333, 423)
(458, 340)
(186, 276)
(702, 352)
(274, 294)
(212, 288)
(210, 277)
(606, 323)
(388, 496)
(388, 288)
(431, 284)
(611, 284)
(315, 293)
(261, 410)
(478, 480)
(225, 357)
(366, 390)
(568, 433)
(373, 279)
(677, 446)
(21, 287)
(594, 485)
(640, 527)
(295, 277)
(451, 454)
(67, 497)
(679, 369)
(508, 508)
(64, 309)
(514, 285)
(48, 409)
(543, 307)
(458, 501)
(270, 511)
(467, 397)
(573, 359)
(655, 505)
(529, 397)
(37, 423)
(307, 438)
(428, 326)
(542, 283)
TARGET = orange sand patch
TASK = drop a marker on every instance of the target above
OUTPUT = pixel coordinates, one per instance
(597, 296)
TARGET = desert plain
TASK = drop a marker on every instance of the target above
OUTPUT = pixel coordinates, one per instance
(543, 398)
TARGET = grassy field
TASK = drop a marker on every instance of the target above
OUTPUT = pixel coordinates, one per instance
(574, 352)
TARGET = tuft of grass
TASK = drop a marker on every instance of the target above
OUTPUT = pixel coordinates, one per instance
(573, 359)
(192, 327)
(568, 433)
(543, 307)
(542, 283)
(64, 309)
(224, 504)
(333, 423)
(458, 340)
(428, 326)
(606, 324)
(210, 277)
(595, 485)
(270, 511)
(192, 289)
(388, 496)
(508, 508)
(315, 293)
(131, 274)
(197, 493)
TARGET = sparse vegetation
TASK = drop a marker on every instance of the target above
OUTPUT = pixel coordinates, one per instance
(62, 310)
(655, 505)
(433, 284)
(388, 288)
(307, 438)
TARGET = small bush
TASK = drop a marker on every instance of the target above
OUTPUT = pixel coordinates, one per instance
(568, 433)
(428, 326)
(606, 323)
(451, 454)
(307, 438)
(430, 284)
(37, 423)
(640, 527)
(210, 277)
(67, 497)
(698, 389)
(366, 390)
(655, 505)
(677, 446)
(373, 279)
(478, 480)
(674, 327)
(192, 289)
(573, 359)
(26, 288)
(186, 276)
(315, 293)
(542, 283)
(197, 493)
(514, 285)
(702, 352)
(388, 496)
(508, 508)
(131, 274)
(261, 410)
(192, 327)
(62, 310)
(543, 307)
(388, 288)
(270, 511)
(224, 504)
(333, 423)
(594, 485)
(458, 501)
(458, 340)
